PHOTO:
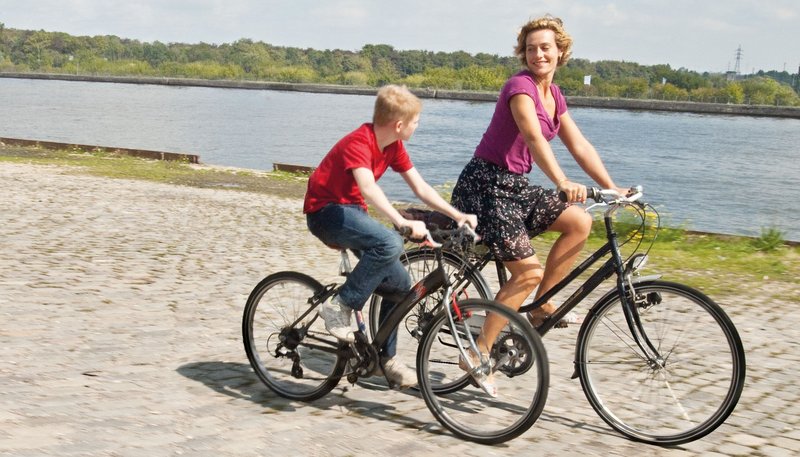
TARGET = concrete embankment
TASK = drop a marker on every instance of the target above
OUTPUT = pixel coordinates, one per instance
(147, 154)
(477, 96)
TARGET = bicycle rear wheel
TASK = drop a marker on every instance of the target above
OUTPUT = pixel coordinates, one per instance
(521, 375)
(296, 358)
(683, 396)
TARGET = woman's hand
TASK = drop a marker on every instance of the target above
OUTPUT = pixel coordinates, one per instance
(469, 219)
(576, 193)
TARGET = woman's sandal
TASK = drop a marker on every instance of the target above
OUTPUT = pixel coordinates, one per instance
(569, 318)
(484, 381)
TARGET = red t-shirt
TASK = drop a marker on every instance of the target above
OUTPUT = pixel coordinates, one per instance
(333, 182)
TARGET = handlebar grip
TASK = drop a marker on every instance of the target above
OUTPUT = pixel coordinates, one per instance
(591, 192)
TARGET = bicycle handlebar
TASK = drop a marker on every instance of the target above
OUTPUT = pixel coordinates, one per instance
(439, 237)
(608, 195)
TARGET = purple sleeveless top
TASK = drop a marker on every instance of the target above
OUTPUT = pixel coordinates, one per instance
(502, 144)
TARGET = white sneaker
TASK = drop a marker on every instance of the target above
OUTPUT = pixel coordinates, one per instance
(479, 374)
(337, 319)
(399, 374)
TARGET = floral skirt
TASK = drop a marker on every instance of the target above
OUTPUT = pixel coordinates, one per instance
(510, 209)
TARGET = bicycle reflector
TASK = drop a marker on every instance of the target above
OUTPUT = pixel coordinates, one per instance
(636, 263)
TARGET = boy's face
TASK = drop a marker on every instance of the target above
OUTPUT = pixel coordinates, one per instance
(407, 128)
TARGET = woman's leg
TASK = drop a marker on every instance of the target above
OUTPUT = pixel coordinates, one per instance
(526, 274)
(574, 224)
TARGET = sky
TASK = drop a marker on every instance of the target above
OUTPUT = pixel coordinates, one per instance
(699, 35)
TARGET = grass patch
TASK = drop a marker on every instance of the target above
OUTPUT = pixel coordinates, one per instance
(719, 265)
(112, 165)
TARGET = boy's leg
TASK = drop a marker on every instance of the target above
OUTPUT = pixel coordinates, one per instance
(351, 227)
(397, 283)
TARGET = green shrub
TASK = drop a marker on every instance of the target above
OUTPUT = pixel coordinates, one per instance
(771, 239)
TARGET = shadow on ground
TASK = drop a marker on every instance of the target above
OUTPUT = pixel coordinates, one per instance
(237, 380)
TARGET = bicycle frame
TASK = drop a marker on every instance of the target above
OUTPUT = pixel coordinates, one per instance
(615, 265)
(435, 280)
(431, 283)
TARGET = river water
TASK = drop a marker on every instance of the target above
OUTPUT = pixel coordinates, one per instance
(715, 173)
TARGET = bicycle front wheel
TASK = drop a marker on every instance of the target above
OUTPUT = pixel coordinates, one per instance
(680, 396)
(285, 340)
(520, 366)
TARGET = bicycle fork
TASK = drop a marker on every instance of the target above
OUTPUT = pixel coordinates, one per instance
(630, 307)
(627, 295)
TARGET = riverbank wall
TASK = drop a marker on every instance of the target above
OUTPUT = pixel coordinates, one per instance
(474, 96)
(143, 153)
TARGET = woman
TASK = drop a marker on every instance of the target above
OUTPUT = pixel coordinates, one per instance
(530, 112)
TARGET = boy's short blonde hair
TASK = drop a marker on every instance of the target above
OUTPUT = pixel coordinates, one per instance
(395, 103)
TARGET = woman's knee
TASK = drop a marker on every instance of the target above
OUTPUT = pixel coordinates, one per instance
(574, 221)
(526, 275)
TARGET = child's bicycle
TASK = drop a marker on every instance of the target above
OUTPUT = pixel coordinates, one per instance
(292, 353)
(660, 362)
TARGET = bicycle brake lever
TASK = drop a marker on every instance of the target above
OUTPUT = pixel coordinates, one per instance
(429, 242)
(590, 207)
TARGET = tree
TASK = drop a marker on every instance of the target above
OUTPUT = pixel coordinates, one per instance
(35, 45)
(374, 64)
(670, 91)
(734, 93)
(155, 53)
(635, 88)
(761, 90)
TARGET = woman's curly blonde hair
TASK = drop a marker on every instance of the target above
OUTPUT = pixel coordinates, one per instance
(563, 39)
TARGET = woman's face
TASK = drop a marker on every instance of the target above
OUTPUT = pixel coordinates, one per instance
(541, 52)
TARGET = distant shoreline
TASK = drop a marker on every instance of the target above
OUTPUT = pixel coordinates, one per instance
(575, 101)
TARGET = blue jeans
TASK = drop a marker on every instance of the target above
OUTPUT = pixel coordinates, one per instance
(378, 249)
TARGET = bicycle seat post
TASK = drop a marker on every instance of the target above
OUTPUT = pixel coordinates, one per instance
(344, 264)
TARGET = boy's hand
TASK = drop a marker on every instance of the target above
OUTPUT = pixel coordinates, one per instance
(418, 229)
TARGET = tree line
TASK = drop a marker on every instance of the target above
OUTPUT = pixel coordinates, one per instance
(374, 65)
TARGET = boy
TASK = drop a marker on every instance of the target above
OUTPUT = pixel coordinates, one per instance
(336, 212)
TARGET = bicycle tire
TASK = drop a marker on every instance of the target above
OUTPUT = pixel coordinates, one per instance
(522, 380)
(307, 364)
(680, 400)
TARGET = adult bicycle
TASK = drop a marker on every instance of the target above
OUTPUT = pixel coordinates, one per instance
(292, 353)
(659, 361)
